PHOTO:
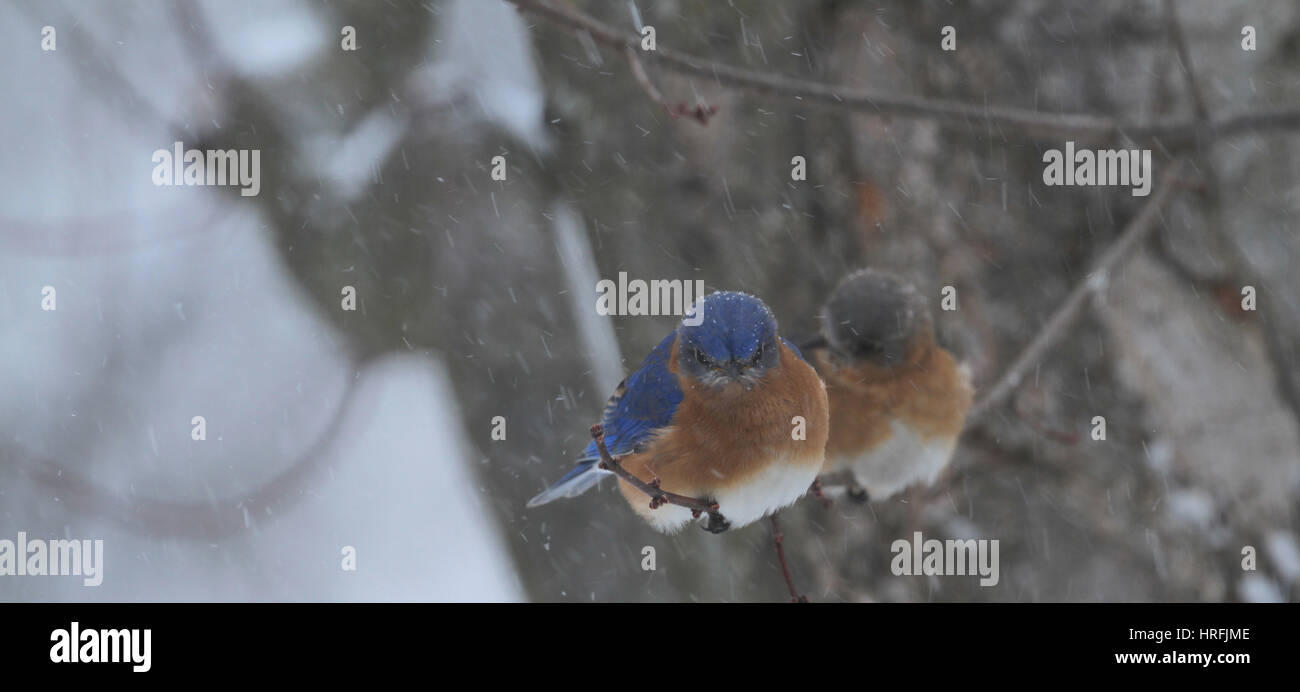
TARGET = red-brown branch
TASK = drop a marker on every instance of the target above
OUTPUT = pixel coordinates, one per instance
(1060, 322)
(778, 539)
(658, 496)
(1033, 124)
(699, 112)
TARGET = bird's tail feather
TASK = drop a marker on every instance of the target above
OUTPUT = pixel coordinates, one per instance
(576, 482)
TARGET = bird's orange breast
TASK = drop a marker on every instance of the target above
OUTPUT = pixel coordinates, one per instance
(929, 392)
(720, 438)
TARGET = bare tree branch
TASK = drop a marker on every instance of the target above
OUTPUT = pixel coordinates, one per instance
(643, 79)
(658, 496)
(1239, 267)
(1060, 321)
(778, 539)
(700, 112)
(972, 117)
(1185, 60)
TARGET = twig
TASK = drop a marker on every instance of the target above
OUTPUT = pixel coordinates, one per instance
(643, 79)
(1276, 347)
(658, 496)
(699, 113)
(1185, 59)
(778, 539)
(1060, 321)
(972, 117)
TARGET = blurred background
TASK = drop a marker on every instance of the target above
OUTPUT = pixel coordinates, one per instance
(328, 428)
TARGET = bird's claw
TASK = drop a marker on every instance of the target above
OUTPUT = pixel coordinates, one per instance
(717, 523)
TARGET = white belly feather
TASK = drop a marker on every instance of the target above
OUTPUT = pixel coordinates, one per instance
(902, 460)
(778, 485)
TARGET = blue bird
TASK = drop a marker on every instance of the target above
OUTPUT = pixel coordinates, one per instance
(722, 409)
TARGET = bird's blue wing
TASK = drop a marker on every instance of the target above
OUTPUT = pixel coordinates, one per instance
(642, 404)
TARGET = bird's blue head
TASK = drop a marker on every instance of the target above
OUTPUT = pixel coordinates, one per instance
(728, 338)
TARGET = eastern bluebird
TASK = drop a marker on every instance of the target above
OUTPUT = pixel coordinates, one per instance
(898, 399)
(725, 410)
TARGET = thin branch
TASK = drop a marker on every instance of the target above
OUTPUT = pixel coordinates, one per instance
(972, 117)
(643, 79)
(1060, 321)
(1185, 59)
(1277, 349)
(658, 496)
(699, 113)
(778, 539)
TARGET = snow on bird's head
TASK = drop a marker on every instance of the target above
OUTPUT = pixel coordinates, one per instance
(728, 336)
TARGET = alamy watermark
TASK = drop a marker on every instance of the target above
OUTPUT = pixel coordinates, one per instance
(953, 557)
(102, 645)
(53, 558)
(236, 167)
(1124, 167)
(655, 297)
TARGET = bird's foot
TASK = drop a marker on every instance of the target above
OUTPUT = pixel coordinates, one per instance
(717, 523)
